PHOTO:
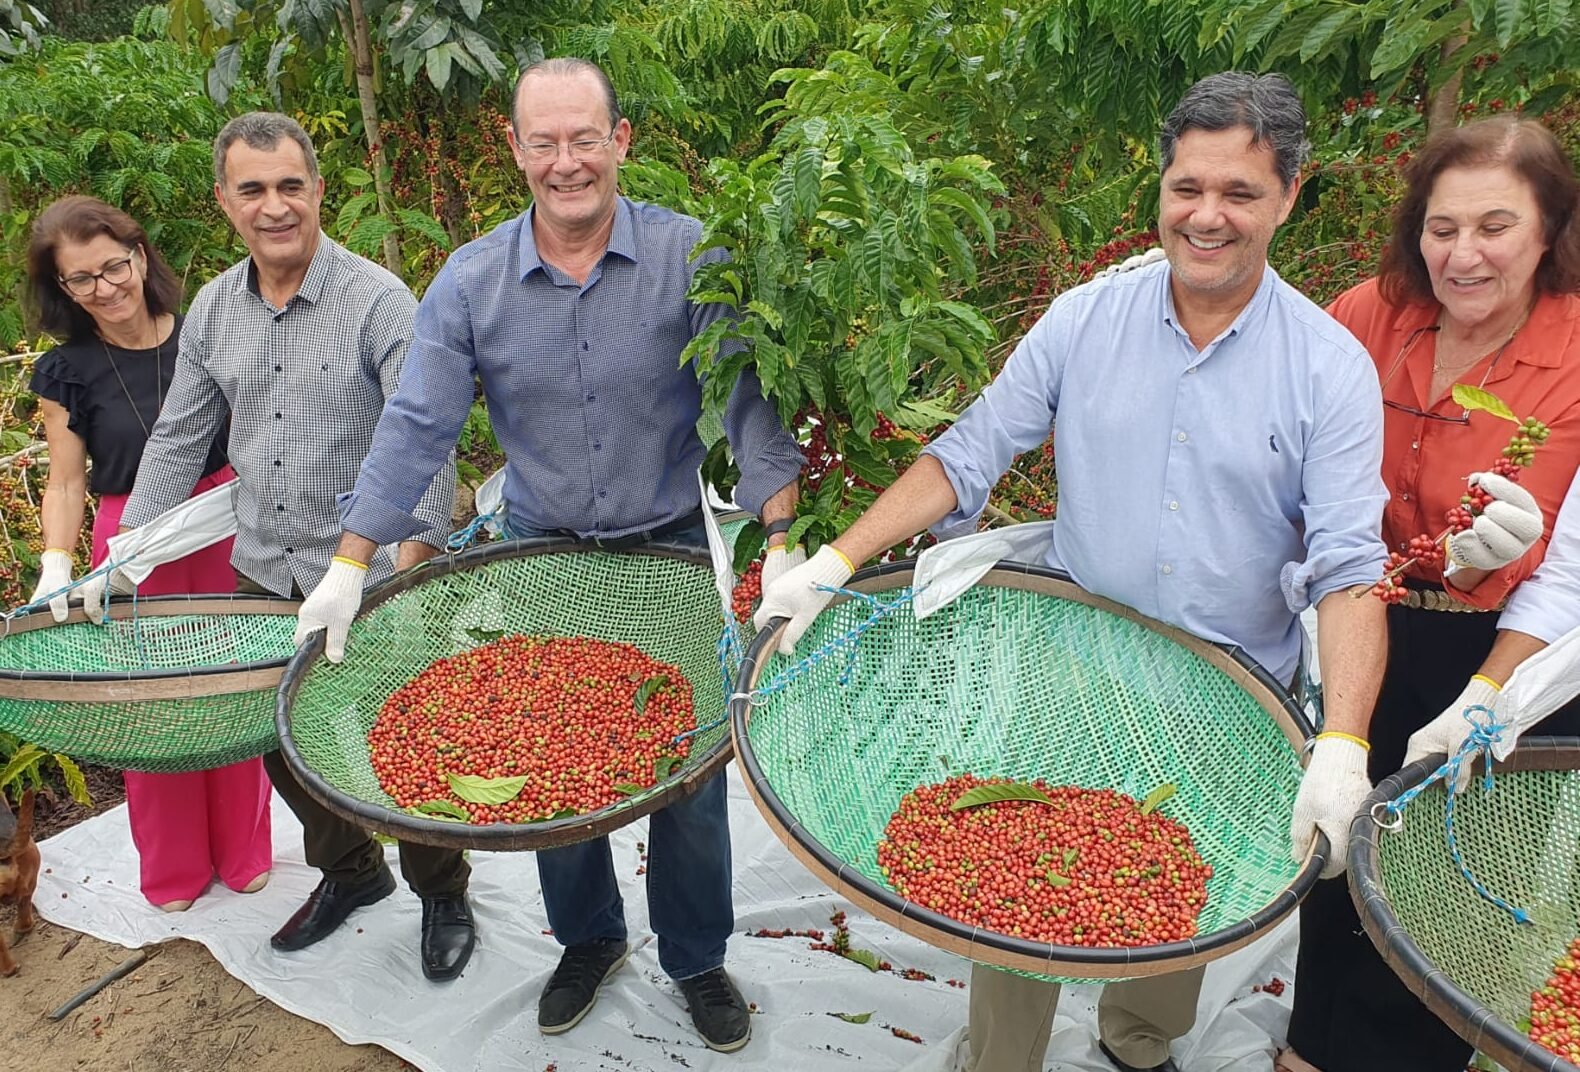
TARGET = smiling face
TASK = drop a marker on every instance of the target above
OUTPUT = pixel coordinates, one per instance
(1221, 201)
(1482, 240)
(273, 203)
(110, 304)
(572, 192)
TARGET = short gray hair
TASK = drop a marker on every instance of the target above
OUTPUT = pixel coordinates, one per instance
(1265, 104)
(565, 67)
(262, 131)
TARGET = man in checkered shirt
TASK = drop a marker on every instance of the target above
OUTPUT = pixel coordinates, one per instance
(301, 344)
(574, 316)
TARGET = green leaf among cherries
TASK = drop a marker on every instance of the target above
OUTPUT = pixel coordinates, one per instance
(664, 766)
(485, 636)
(852, 1017)
(630, 789)
(645, 691)
(865, 957)
(1157, 797)
(998, 793)
(442, 809)
(475, 790)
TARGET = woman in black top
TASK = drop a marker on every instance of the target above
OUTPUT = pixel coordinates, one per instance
(100, 285)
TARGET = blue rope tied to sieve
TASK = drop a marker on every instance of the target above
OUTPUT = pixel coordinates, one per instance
(1483, 735)
(43, 601)
(464, 538)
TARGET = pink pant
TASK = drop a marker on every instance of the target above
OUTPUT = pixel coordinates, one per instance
(190, 827)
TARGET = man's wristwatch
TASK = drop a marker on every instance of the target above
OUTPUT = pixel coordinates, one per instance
(775, 528)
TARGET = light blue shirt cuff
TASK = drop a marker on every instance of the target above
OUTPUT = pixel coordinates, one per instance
(971, 488)
(373, 518)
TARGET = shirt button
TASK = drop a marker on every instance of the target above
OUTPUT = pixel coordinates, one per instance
(584, 346)
(1191, 370)
(592, 398)
(290, 550)
(277, 462)
(1174, 505)
(278, 368)
(1405, 496)
(280, 507)
(277, 416)
(1167, 570)
(597, 446)
(1415, 446)
(603, 495)
(1182, 437)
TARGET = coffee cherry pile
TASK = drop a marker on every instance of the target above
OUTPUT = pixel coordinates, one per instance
(1555, 1008)
(1427, 550)
(748, 590)
(561, 712)
(1088, 869)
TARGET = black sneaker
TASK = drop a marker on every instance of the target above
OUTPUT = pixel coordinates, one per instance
(573, 988)
(718, 1010)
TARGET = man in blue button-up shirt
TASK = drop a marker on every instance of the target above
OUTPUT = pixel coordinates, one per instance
(573, 316)
(1218, 467)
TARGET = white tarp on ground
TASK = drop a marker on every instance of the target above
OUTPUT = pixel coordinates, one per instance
(364, 983)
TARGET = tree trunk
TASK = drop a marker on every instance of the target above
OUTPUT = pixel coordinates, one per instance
(359, 38)
(1443, 107)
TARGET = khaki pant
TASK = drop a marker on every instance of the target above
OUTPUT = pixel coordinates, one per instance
(1012, 1017)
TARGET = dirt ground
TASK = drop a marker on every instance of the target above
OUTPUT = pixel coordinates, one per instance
(177, 1012)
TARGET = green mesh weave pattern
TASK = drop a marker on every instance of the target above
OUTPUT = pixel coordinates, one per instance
(149, 735)
(1026, 685)
(1520, 840)
(667, 607)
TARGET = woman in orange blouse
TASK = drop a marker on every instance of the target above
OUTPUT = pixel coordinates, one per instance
(1480, 284)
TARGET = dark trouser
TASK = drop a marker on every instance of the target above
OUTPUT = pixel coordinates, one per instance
(345, 852)
(1352, 1014)
(688, 867)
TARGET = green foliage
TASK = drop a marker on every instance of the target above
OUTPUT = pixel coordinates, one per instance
(93, 20)
(20, 24)
(26, 766)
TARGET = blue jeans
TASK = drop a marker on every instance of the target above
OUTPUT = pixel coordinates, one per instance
(688, 865)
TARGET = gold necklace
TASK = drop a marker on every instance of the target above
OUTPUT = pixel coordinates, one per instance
(159, 380)
(1438, 366)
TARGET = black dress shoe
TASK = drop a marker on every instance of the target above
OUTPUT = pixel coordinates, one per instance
(448, 935)
(327, 908)
(1168, 1064)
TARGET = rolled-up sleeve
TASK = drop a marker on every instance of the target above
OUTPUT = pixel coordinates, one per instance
(1547, 604)
(406, 487)
(1013, 414)
(1343, 494)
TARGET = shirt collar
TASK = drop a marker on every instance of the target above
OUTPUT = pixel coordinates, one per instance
(1259, 300)
(312, 288)
(622, 238)
(1540, 341)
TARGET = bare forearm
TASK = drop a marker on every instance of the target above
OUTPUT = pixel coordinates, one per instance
(411, 552)
(922, 496)
(780, 506)
(1509, 651)
(357, 548)
(1352, 635)
(60, 515)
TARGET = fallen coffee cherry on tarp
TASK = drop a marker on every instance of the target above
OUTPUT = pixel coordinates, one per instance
(522, 729)
(1064, 865)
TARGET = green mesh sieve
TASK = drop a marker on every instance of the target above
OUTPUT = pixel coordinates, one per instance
(170, 683)
(660, 598)
(1465, 957)
(1028, 676)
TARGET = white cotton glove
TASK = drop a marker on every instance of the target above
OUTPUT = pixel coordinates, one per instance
(1506, 529)
(331, 606)
(54, 573)
(1331, 793)
(780, 561)
(91, 592)
(795, 595)
(1444, 735)
(1140, 260)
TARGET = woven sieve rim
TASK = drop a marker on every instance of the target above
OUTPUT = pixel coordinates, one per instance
(1465, 1015)
(169, 683)
(989, 947)
(498, 837)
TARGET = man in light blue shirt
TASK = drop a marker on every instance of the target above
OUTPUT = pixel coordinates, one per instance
(1218, 449)
(573, 317)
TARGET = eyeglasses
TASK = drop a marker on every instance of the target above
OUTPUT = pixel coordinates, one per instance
(1464, 417)
(84, 283)
(581, 151)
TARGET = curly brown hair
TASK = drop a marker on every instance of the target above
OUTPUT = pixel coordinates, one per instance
(82, 219)
(1523, 146)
